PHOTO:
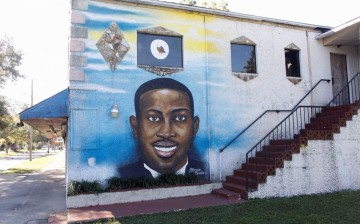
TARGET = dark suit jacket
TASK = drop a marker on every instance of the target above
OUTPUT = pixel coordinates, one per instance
(138, 170)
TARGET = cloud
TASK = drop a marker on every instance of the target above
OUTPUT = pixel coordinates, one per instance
(96, 87)
(105, 67)
(212, 84)
(112, 17)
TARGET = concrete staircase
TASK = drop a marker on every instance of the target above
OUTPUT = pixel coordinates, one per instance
(321, 127)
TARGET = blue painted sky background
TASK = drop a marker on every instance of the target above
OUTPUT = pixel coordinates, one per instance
(116, 143)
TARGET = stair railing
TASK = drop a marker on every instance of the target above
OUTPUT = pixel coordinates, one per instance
(289, 127)
(293, 124)
(268, 111)
(349, 94)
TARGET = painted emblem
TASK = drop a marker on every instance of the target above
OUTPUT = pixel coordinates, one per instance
(159, 49)
(113, 46)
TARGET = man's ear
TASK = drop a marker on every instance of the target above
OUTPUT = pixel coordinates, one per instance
(134, 126)
(196, 125)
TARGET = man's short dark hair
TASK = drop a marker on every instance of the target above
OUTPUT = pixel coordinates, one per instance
(162, 83)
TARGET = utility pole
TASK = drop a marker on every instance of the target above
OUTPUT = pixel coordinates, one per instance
(31, 130)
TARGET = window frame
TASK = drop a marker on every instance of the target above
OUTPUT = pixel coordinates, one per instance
(253, 51)
(292, 63)
(154, 63)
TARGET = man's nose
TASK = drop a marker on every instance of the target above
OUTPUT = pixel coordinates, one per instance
(167, 129)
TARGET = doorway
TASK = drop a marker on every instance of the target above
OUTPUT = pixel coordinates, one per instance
(339, 78)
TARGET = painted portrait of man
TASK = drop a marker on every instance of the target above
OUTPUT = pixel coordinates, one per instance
(164, 128)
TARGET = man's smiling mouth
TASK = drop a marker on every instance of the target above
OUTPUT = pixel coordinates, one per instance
(165, 149)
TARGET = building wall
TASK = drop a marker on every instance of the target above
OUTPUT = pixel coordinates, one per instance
(225, 103)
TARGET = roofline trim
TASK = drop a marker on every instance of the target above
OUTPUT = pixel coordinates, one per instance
(220, 12)
(338, 29)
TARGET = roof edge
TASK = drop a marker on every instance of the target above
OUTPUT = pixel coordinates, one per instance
(220, 13)
(338, 28)
(26, 113)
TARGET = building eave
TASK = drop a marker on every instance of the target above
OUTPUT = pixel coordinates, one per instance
(345, 34)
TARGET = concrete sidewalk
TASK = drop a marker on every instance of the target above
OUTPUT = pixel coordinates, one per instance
(144, 207)
(31, 198)
(37, 198)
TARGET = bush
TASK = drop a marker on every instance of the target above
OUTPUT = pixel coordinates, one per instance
(77, 187)
(116, 183)
(39, 145)
(175, 179)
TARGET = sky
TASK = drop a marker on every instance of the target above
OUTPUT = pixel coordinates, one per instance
(40, 29)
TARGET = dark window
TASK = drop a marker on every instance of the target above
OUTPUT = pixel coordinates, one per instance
(243, 58)
(292, 63)
(159, 50)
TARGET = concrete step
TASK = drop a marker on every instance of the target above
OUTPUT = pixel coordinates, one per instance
(237, 188)
(259, 177)
(230, 195)
(242, 181)
(269, 169)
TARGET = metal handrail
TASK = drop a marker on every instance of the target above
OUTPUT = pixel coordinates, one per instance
(305, 113)
(293, 125)
(267, 111)
(327, 80)
(344, 94)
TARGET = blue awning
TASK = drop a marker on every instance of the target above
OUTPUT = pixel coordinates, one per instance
(49, 116)
(52, 107)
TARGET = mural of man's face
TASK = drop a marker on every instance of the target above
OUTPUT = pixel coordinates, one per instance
(164, 128)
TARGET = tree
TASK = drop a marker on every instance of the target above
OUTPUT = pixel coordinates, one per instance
(10, 133)
(3, 112)
(13, 135)
(187, 2)
(214, 4)
(10, 60)
(250, 66)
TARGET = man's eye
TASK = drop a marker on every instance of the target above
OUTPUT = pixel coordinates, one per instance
(154, 119)
(180, 118)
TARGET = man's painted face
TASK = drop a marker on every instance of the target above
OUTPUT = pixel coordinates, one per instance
(165, 129)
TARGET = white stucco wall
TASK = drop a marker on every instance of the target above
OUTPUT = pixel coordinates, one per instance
(226, 104)
(268, 91)
(323, 166)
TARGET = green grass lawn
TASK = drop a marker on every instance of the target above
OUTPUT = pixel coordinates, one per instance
(340, 207)
(30, 166)
(3, 154)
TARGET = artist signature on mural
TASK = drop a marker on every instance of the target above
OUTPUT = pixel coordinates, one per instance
(197, 172)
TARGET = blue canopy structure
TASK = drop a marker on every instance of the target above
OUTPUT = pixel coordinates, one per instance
(49, 116)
